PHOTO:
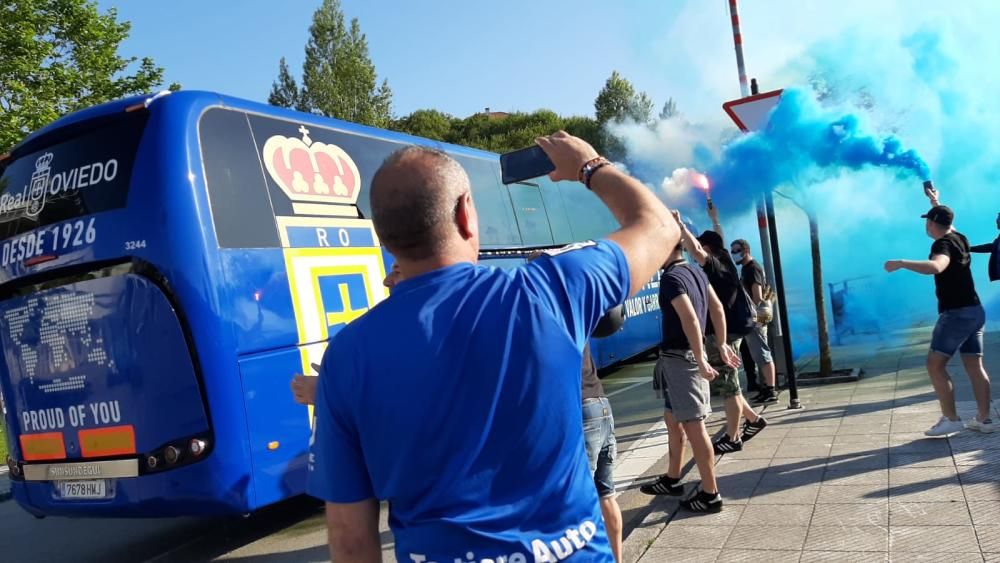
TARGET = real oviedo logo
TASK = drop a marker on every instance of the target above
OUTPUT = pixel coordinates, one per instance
(312, 171)
(48, 184)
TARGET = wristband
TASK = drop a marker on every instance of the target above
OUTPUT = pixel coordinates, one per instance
(591, 166)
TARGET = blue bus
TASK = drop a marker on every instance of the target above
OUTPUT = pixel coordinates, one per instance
(168, 262)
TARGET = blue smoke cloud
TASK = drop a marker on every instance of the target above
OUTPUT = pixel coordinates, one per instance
(803, 144)
(845, 158)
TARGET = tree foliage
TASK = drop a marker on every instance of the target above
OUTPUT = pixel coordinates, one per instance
(338, 76)
(59, 56)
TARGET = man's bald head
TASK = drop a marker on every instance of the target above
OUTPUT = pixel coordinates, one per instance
(415, 197)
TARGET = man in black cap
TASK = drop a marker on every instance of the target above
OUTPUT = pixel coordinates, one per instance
(710, 252)
(960, 322)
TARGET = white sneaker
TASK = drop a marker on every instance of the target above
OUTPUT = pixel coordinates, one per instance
(945, 427)
(987, 426)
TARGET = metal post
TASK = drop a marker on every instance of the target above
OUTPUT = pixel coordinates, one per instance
(734, 14)
(793, 388)
(768, 233)
(763, 227)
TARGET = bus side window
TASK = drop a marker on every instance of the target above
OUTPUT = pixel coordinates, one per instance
(532, 218)
(559, 221)
(237, 191)
(497, 227)
(589, 217)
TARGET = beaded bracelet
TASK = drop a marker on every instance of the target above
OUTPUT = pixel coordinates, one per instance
(591, 166)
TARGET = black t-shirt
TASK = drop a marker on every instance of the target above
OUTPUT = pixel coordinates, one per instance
(592, 387)
(679, 279)
(751, 274)
(955, 288)
(722, 275)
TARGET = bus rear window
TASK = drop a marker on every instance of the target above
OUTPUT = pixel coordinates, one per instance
(84, 171)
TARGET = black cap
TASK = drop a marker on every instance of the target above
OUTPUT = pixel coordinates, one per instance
(712, 239)
(940, 214)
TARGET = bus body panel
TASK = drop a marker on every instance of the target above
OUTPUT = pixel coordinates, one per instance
(279, 427)
(256, 270)
(164, 229)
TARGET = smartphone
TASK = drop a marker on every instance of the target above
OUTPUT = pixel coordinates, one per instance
(524, 164)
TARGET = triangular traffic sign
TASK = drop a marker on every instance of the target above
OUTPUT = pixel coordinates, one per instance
(750, 113)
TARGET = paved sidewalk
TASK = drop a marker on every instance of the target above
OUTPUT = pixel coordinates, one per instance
(849, 478)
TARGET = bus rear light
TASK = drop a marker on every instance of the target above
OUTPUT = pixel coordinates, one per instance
(197, 447)
(15, 469)
(171, 455)
(177, 454)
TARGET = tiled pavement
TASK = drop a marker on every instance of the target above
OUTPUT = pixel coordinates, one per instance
(850, 478)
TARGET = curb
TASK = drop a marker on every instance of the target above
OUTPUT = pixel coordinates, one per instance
(642, 537)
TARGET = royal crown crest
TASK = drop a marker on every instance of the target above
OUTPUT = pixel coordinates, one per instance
(43, 162)
(311, 171)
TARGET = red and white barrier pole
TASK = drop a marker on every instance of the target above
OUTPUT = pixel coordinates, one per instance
(734, 14)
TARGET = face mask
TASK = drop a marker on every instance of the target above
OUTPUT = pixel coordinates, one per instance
(738, 257)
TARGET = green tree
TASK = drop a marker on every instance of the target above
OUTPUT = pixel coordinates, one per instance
(669, 109)
(58, 56)
(429, 123)
(586, 128)
(338, 77)
(618, 102)
(284, 91)
(502, 134)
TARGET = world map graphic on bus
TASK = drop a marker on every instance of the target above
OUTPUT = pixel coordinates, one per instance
(53, 335)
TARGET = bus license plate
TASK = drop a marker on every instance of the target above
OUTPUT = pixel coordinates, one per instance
(83, 489)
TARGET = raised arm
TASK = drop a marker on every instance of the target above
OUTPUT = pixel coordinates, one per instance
(713, 214)
(934, 266)
(647, 234)
(690, 242)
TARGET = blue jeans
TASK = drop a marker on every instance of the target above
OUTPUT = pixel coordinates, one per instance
(599, 438)
(959, 330)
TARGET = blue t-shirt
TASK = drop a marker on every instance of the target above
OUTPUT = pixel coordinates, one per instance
(458, 401)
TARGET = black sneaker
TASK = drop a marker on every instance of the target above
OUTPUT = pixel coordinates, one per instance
(665, 485)
(766, 396)
(703, 502)
(724, 445)
(751, 429)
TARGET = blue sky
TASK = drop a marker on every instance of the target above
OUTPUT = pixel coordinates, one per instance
(461, 56)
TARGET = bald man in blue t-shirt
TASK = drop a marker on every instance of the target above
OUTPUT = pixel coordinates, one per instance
(458, 400)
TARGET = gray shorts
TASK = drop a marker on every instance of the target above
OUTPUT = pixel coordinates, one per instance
(757, 342)
(687, 394)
